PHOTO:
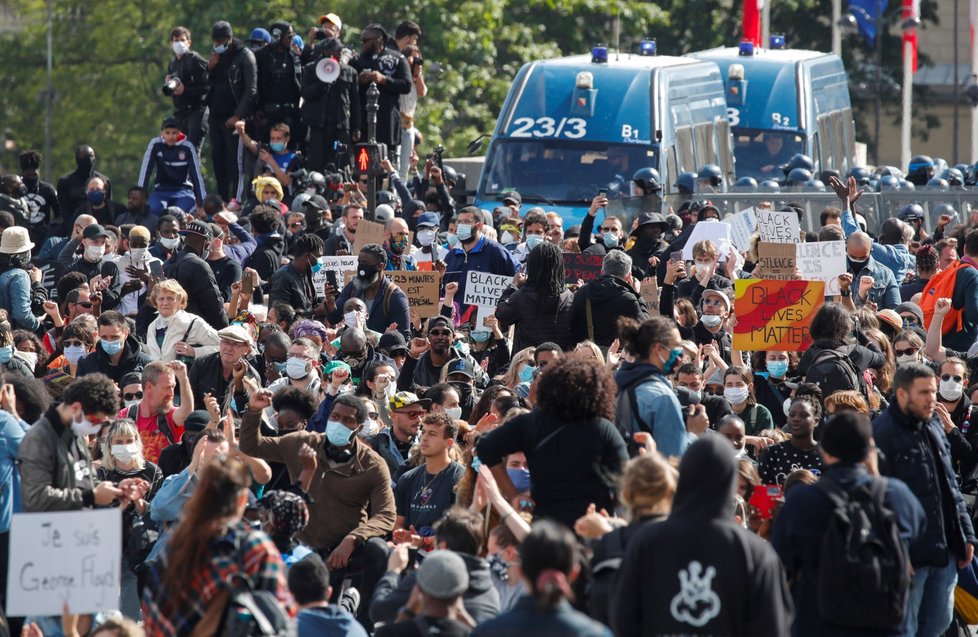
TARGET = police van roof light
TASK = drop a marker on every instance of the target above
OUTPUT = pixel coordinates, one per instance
(735, 72)
(747, 48)
(647, 47)
(777, 42)
(584, 80)
(599, 54)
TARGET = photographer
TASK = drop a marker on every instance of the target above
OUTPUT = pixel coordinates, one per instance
(329, 28)
(331, 111)
(409, 102)
(186, 82)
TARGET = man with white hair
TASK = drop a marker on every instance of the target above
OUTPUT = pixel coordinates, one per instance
(598, 304)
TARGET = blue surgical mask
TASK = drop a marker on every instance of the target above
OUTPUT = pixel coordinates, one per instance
(280, 367)
(526, 374)
(6, 353)
(674, 357)
(476, 463)
(520, 479)
(276, 146)
(480, 336)
(533, 240)
(610, 239)
(111, 347)
(777, 369)
(95, 197)
(316, 267)
(464, 231)
(337, 433)
(220, 48)
(452, 239)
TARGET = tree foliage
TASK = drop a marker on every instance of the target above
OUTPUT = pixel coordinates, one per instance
(110, 56)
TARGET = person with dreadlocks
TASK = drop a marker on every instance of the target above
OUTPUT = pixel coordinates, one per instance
(292, 284)
(42, 198)
(537, 302)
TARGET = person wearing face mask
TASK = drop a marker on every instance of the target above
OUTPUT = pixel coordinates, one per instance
(426, 236)
(20, 282)
(179, 179)
(646, 400)
(378, 386)
(871, 280)
(738, 390)
(40, 196)
(13, 195)
(461, 374)
(394, 346)
(533, 234)
(386, 302)
(167, 236)
(711, 328)
(397, 245)
(703, 273)
(490, 344)
(611, 234)
(188, 268)
(55, 464)
(771, 369)
(98, 204)
(137, 268)
(444, 399)
(93, 265)
(292, 284)
(276, 160)
(117, 353)
(77, 341)
(648, 241)
(71, 186)
(301, 370)
(279, 85)
(475, 252)
(122, 459)
(188, 72)
(427, 357)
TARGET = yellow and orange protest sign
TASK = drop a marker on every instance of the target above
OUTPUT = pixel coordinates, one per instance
(775, 314)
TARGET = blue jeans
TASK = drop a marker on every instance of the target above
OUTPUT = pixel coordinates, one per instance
(932, 599)
(183, 199)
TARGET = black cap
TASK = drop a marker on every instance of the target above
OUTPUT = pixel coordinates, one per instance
(514, 197)
(650, 218)
(376, 29)
(461, 366)
(170, 122)
(686, 398)
(392, 342)
(441, 321)
(132, 378)
(196, 421)
(94, 231)
(221, 30)
(846, 436)
(198, 228)
(316, 202)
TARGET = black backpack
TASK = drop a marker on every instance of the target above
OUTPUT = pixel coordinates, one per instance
(253, 613)
(864, 565)
(834, 371)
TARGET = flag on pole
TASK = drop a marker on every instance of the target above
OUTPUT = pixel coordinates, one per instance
(911, 10)
(751, 26)
(866, 12)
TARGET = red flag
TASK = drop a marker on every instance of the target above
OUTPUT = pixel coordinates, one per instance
(911, 9)
(751, 26)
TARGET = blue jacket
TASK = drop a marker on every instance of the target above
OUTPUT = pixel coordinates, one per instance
(895, 257)
(803, 520)
(485, 256)
(328, 621)
(12, 430)
(885, 291)
(241, 251)
(529, 620)
(658, 407)
(177, 168)
(167, 505)
(908, 446)
(15, 297)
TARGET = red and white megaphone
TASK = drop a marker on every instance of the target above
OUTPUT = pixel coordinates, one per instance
(327, 70)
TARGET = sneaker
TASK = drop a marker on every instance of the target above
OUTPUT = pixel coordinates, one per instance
(350, 600)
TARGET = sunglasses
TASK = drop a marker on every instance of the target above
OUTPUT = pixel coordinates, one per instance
(947, 377)
(297, 225)
(906, 352)
(135, 396)
(85, 304)
(414, 414)
(910, 320)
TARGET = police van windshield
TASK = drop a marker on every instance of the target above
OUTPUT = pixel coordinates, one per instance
(561, 171)
(761, 153)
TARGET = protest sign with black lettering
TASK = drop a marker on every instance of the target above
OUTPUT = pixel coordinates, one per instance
(775, 315)
(776, 261)
(775, 226)
(823, 261)
(483, 290)
(742, 226)
(65, 556)
(340, 265)
(421, 288)
(718, 233)
(586, 267)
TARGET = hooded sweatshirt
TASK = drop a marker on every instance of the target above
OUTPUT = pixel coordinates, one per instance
(698, 572)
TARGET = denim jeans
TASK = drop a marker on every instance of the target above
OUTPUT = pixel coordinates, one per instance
(932, 599)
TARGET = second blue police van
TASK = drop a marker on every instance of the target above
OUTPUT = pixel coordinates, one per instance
(573, 126)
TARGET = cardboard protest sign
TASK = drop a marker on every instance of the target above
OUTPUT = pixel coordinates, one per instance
(742, 226)
(422, 289)
(776, 261)
(650, 294)
(483, 290)
(586, 267)
(822, 261)
(67, 556)
(368, 232)
(775, 315)
(777, 227)
(340, 265)
(718, 233)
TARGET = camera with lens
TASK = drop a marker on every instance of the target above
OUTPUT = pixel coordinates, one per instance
(437, 153)
(171, 85)
(418, 61)
(320, 34)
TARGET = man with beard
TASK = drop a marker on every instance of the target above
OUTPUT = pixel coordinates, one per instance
(386, 302)
(196, 277)
(41, 197)
(159, 422)
(137, 210)
(427, 356)
(72, 186)
(475, 252)
(388, 69)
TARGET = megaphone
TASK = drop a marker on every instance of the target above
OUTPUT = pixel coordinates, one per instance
(327, 70)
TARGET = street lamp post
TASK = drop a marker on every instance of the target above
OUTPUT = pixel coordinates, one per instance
(373, 95)
(879, 79)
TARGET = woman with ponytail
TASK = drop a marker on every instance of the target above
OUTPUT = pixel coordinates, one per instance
(551, 561)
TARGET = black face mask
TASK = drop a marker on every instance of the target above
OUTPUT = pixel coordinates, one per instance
(464, 390)
(855, 266)
(367, 275)
(31, 182)
(85, 165)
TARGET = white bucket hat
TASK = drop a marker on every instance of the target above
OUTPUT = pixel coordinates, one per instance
(15, 240)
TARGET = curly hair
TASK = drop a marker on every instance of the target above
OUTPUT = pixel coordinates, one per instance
(297, 399)
(265, 219)
(831, 323)
(377, 252)
(96, 393)
(308, 244)
(813, 394)
(576, 389)
(545, 274)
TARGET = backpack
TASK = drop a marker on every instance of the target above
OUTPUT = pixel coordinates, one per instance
(864, 565)
(251, 613)
(941, 285)
(628, 420)
(161, 423)
(833, 371)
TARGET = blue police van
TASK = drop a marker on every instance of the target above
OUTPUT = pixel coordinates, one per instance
(573, 126)
(783, 101)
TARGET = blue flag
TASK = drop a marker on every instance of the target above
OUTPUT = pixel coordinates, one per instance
(866, 13)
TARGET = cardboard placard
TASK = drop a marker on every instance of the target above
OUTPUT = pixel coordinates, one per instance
(483, 289)
(775, 315)
(64, 556)
(421, 287)
(822, 261)
(586, 267)
(775, 226)
(368, 232)
(743, 225)
(340, 265)
(718, 233)
(650, 293)
(776, 260)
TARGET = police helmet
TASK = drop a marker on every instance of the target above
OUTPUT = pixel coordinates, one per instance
(450, 175)
(953, 176)
(798, 176)
(860, 174)
(686, 183)
(648, 180)
(769, 185)
(799, 160)
(745, 184)
(911, 212)
(937, 183)
(815, 185)
(888, 182)
(711, 174)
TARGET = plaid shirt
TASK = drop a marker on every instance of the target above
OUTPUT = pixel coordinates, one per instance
(166, 615)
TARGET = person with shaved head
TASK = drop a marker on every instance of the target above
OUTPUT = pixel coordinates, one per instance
(872, 282)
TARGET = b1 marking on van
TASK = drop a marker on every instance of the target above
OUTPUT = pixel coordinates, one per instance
(627, 132)
(571, 128)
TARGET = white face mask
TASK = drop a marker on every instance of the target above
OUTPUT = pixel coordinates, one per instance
(28, 357)
(455, 413)
(138, 254)
(169, 243)
(74, 353)
(786, 406)
(180, 48)
(701, 267)
(712, 320)
(907, 358)
(426, 236)
(736, 395)
(125, 453)
(296, 367)
(951, 390)
(370, 428)
(352, 319)
(84, 427)
(507, 237)
(94, 253)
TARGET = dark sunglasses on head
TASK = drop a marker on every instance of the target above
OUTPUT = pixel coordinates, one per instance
(947, 377)
(134, 396)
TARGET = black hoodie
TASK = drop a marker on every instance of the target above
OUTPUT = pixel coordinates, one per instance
(698, 572)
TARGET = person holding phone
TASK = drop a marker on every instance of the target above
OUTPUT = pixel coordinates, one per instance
(293, 283)
(610, 231)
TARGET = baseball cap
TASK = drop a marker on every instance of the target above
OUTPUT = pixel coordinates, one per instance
(196, 421)
(132, 378)
(461, 366)
(440, 321)
(403, 399)
(443, 575)
(427, 220)
(392, 342)
(512, 197)
(236, 334)
(198, 228)
(94, 231)
(260, 35)
(719, 294)
(170, 122)
(331, 17)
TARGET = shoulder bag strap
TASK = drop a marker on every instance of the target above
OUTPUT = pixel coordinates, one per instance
(549, 437)
(590, 320)
(187, 333)
(164, 427)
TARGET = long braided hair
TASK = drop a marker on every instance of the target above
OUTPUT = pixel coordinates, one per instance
(545, 274)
